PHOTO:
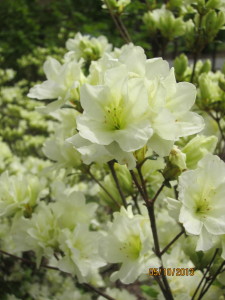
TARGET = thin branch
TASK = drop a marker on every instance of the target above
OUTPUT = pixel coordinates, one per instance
(89, 286)
(157, 279)
(198, 48)
(204, 275)
(151, 212)
(168, 294)
(120, 22)
(203, 292)
(137, 184)
(142, 182)
(27, 261)
(113, 172)
(92, 288)
(115, 20)
(136, 203)
(158, 192)
(165, 288)
(172, 242)
(220, 129)
(150, 206)
(103, 188)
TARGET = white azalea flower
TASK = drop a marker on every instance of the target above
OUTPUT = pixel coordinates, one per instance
(81, 252)
(19, 193)
(38, 233)
(56, 147)
(129, 246)
(73, 209)
(63, 84)
(113, 114)
(201, 201)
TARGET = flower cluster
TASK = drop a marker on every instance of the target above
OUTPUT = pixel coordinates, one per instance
(133, 121)
(115, 121)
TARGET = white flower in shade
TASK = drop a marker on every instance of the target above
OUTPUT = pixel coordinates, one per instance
(56, 147)
(101, 154)
(90, 152)
(128, 241)
(63, 84)
(72, 209)
(19, 193)
(62, 152)
(80, 248)
(201, 201)
(87, 47)
(39, 233)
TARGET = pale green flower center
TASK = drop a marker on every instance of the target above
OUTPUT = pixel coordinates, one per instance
(202, 207)
(114, 117)
(132, 247)
(203, 204)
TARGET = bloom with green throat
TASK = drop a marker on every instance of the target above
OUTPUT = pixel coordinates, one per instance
(201, 206)
(115, 111)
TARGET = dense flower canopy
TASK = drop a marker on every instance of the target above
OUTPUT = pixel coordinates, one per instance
(115, 179)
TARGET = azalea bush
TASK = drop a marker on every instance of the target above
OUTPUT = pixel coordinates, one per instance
(112, 167)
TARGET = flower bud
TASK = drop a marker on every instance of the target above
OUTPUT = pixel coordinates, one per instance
(170, 26)
(206, 67)
(213, 22)
(180, 65)
(222, 84)
(150, 23)
(176, 164)
(213, 4)
(197, 148)
(140, 154)
(124, 178)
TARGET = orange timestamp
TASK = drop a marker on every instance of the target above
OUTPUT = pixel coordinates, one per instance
(171, 271)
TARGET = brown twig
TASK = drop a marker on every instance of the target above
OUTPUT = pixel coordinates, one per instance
(204, 276)
(158, 192)
(172, 242)
(118, 25)
(114, 175)
(103, 188)
(203, 292)
(142, 181)
(165, 288)
(137, 184)
(89, 286)
(198, 48)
